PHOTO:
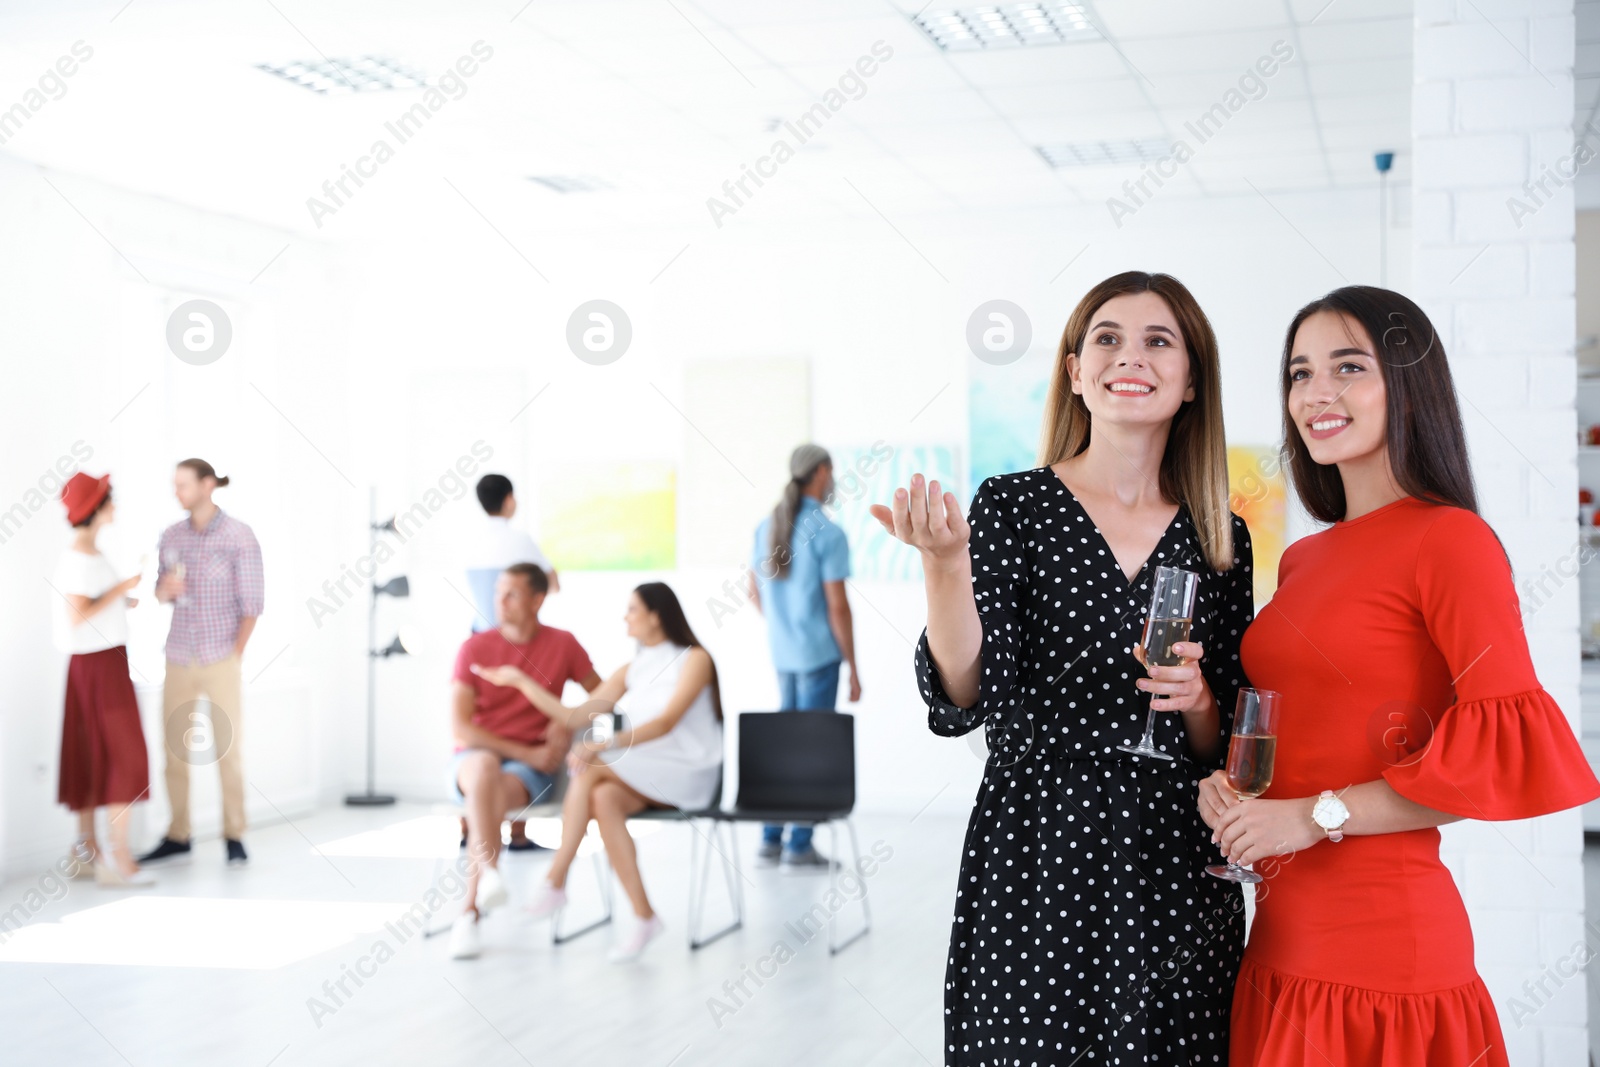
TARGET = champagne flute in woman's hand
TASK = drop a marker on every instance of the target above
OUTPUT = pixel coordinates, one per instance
(1250, 756)
(1167, 624)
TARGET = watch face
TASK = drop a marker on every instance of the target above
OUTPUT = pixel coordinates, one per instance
(1329, 813)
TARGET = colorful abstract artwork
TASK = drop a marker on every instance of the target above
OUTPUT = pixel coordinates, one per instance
(1258, 494)
(619, 516)
(869, 474)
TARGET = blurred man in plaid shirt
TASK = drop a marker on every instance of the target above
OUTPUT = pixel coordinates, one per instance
(211, 574)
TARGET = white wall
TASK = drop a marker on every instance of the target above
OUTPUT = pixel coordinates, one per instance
(86, 361)
(1483, 124)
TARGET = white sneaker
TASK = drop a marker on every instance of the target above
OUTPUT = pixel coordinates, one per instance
(465, 943)
(644, 932)
(491, 890)
(550, 901)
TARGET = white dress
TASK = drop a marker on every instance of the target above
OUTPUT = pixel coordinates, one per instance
(680, 767)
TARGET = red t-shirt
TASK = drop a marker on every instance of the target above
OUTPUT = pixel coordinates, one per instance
(551, 658)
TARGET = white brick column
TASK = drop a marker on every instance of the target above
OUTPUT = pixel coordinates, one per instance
(1492, 114)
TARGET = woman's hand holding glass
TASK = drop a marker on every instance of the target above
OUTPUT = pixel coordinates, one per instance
(1181, 688)
(1254, 829)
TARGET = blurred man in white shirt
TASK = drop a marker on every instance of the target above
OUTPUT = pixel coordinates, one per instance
(497, 546)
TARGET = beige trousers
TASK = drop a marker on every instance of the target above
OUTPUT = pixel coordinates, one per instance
(197, 739)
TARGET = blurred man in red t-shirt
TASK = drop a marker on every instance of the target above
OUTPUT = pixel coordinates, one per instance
(507, 752)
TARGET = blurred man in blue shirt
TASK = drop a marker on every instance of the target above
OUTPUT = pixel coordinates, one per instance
(799, 563)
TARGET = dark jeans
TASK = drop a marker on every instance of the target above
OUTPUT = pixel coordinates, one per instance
(816, 690)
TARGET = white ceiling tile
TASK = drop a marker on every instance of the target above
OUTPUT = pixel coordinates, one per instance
(1115, 94)
(1378, 110)
(739, 13)
(839, 43)
(1095, 126)
(1042, 65)
(903, 73)
(981, 138)
(1230, 55)
(1362, 79)
(960, 106)
(1345, 42)
(1363, 137)
(1129, 21)
(1294, 140)
(1316, 12)
(1198, 91)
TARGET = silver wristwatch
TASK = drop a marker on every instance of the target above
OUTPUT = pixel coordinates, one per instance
(1330, 813)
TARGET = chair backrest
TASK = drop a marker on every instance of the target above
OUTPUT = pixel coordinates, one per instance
(797, 760)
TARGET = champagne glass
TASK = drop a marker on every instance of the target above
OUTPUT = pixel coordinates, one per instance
(1250, 752)
(174, 562)
(1171, 614)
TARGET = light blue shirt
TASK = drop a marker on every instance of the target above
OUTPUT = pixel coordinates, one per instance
(795, 606)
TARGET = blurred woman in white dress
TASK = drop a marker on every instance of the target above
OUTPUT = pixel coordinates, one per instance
(670, 756)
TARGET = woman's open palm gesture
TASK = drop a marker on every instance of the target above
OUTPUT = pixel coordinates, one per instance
(926, 519)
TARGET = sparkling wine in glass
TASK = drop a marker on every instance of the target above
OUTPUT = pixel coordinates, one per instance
(1250, 755)
(1168, 622)
(174, 563)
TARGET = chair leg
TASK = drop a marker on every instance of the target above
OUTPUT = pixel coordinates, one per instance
(603, 875)
(699, 886)
(836, 947)
(735, 875)
(435, 931)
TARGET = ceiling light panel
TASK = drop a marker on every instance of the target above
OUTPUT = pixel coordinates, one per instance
(334, 76)
(1106, 153)
(571, 183)
(970, 29)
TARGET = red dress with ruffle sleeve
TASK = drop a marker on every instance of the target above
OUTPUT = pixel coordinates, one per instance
(1397, 643)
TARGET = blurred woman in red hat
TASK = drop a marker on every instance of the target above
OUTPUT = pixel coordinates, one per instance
(103, 758)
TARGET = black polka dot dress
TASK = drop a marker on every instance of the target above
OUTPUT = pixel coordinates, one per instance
(1086, 930)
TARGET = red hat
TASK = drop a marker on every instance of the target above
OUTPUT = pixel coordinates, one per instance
(82, 494)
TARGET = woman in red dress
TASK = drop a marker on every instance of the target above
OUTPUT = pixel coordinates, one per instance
(1409, 701)
(103, 758)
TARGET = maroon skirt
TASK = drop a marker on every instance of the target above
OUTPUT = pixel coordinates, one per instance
(103, 758)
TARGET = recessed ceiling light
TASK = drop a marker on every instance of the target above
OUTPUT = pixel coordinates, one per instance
(365, 75)
(570, 183)
(1007, 25)
(1106, 153)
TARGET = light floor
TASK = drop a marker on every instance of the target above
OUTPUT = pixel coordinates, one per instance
(219, 966)
(1591, 893)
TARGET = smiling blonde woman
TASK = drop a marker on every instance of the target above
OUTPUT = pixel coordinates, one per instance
(1084, 929)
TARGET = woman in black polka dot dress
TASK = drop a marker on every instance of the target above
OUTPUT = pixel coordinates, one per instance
(1085, 928)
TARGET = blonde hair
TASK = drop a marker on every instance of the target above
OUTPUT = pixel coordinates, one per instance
(1194, 469)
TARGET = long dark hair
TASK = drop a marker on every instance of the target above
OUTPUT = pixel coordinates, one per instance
(659, 598)
(1422, 427)
(1194, 468)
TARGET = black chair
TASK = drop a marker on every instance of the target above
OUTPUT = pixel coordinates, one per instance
(800, 767)
(794, 767)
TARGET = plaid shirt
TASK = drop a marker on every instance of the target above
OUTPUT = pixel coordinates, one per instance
(222, 583)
